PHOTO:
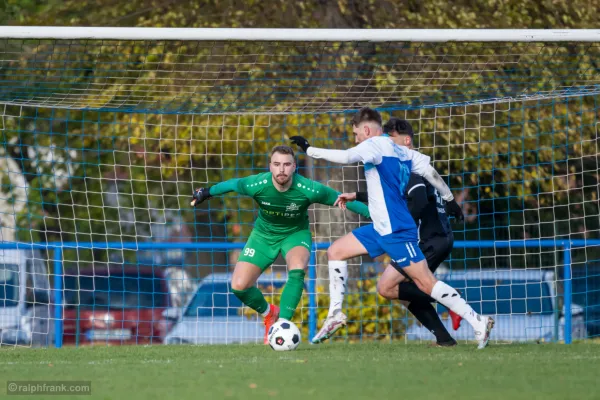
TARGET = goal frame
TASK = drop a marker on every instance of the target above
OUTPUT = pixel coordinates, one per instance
(305, 35)
(300, 34)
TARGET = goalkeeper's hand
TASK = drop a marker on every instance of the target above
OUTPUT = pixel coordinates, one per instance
(343, 199)
(454, 210)
(200, 195)
(301, 142)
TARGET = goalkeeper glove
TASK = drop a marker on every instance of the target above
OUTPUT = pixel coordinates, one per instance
(301, 142)
(454, 210)
(200, 195)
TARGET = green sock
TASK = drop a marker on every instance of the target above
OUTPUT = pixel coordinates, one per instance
(292, 293)
(253, 298)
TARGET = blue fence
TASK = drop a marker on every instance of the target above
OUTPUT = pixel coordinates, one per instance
(57, 248)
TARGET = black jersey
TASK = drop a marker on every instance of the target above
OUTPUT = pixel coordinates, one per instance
(427, 208)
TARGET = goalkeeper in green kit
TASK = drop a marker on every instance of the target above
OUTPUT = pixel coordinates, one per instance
(283, 197)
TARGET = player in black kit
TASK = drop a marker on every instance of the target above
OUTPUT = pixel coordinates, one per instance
(435, 240)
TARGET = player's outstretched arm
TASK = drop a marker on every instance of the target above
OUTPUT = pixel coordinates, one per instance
(344, 198)
(202, 194)
(349, 156)
(420, 165)
(330, 197)
(416, 196)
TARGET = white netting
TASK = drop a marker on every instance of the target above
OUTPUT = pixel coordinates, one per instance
(103, 141)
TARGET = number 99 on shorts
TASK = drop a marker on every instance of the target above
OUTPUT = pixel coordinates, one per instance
(248, 252)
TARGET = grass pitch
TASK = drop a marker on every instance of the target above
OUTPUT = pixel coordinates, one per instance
(328, 371)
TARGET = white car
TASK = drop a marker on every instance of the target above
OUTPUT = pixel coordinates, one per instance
(522, 302)
(214, 314)
(24, 294)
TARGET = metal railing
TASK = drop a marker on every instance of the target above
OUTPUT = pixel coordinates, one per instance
(57, 248)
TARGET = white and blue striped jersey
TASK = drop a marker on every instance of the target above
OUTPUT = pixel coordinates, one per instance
(387, 172)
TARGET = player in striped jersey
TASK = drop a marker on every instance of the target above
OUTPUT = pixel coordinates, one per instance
(387, 172)
(435, 241)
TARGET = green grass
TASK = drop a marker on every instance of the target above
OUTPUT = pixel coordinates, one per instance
(330, 371)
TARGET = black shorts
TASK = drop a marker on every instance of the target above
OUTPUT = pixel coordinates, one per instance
(435, 249)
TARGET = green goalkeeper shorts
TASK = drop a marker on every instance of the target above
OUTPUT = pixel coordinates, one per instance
(262, 251)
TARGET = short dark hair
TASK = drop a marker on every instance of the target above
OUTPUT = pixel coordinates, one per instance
(399, 126)
(366, 114)
(283, 149)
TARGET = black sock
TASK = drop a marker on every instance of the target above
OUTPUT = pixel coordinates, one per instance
(426, 315)
(409, 291)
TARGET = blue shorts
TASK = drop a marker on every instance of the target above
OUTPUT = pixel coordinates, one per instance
(399, 250)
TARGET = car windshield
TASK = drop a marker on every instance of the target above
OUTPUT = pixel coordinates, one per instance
(115, 291)
(9, 285)
(505, 297)
(214, 299)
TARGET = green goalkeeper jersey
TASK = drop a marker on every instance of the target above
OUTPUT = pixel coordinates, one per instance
(283, 213)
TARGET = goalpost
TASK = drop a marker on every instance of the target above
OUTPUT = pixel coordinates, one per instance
(105, 132)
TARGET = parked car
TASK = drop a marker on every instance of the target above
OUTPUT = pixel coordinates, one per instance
(117, 305)
(214, 314)
(522, 302)
(111, 306)
(24, 289)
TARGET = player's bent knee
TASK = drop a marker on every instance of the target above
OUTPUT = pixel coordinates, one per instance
(331, 252)
(239, 284)
(385, 291)
(335, 252)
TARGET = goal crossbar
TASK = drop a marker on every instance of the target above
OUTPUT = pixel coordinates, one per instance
(330, 35)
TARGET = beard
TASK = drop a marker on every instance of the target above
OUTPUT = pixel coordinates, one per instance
(282, 179)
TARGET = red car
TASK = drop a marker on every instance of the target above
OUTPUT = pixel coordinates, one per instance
(116, 305)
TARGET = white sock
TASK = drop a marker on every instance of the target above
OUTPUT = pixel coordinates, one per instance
(449, 297)
(267, 311)
(338, 278)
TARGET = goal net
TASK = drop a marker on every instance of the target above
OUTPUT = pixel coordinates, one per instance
(105, 133)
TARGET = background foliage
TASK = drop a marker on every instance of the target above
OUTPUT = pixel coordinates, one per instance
(523, 170)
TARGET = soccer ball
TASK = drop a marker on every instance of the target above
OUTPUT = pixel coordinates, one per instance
(284, 336)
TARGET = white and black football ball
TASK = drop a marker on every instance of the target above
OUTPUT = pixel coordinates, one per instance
(284, 336)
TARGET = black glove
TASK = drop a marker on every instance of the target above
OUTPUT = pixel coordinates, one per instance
(454, 210)
(200, 195)
(301, 142)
